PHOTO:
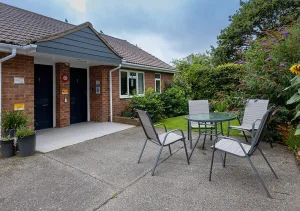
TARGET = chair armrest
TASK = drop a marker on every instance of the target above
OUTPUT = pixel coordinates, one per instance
(233, 139)
(162, 125)
(253, 127)
(172, 131)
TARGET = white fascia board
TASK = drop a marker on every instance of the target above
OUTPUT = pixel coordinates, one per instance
(143, 67)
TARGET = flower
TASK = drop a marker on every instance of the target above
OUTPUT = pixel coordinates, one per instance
(285, 34)
(298, 153)
(282, 64)
(268, 59)
(295, 69)
(268, 51)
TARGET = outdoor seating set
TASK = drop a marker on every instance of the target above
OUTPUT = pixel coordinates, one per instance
(253, 123)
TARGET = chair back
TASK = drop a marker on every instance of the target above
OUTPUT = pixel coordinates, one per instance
(255, 109)
(147, 125)
(260, 131)
(198, 107)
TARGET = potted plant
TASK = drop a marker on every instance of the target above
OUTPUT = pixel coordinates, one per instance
(12, 120)
(26, 140)
(8, 147)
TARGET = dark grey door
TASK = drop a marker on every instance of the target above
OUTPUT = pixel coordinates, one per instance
(43, 96)
(78, 95)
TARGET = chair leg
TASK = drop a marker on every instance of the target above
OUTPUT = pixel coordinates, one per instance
(211, 131)
(224, 160)
(157, 159)
(245, 136)
(228, 131)
(259, 178)
(170, 150)
(186, 153)
(212, 162)
(203, 142)
(268, 163)
(142, 151)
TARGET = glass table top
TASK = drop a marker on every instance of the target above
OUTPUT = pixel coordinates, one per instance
(211, 117)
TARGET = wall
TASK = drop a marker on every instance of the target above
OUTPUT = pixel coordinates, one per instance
(20, 66)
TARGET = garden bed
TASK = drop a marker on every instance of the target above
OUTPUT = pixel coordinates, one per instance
(126, 120)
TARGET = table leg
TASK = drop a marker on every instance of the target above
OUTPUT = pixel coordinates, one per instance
(190, 134)
(221, 125)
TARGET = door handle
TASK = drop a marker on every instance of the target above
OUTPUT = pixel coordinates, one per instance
(45, 105)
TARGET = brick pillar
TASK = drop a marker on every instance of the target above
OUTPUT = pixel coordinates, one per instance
(99, 103)
(62, 107)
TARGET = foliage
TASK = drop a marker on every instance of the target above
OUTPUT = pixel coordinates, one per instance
(24, 131)
(150, 102)
(14, 120)
(250, 22)
(175, 101)
(292, 141)
(7, 138)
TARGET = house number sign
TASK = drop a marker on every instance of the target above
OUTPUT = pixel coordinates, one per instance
(65, 77)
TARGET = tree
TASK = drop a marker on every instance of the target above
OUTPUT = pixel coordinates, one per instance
(249, 23)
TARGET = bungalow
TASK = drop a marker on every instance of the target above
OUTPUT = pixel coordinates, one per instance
(62, 74)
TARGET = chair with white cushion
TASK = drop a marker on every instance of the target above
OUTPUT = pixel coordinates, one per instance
(162, 140)
(255, 109)
(237, 148)
(201, 107)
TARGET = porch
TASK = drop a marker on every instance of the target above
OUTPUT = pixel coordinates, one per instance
(55, 138)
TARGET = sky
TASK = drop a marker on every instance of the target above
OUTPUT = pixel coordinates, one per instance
(168, 29)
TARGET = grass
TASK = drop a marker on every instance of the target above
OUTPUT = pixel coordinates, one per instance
(181, 123)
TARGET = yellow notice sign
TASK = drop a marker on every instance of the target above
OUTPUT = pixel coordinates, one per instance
(65, 91)
(19, 107)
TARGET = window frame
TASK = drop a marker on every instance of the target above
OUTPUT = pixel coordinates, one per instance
(157, 79)
(137, 82)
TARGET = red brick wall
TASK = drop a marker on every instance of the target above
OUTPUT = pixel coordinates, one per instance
(62, 107)
(20, 66)
(119, 105)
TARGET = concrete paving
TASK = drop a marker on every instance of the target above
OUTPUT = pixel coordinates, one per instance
(102, 174)
(55, 138)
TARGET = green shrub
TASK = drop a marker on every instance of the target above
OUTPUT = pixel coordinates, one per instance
(292, 140)
(25, 131)
(14, 120)
(150, 102)
(175, 101)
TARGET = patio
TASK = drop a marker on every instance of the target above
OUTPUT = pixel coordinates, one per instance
(103, 174)
(55, 138)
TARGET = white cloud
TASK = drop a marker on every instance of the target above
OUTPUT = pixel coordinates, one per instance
(154, 44)
(79, 5)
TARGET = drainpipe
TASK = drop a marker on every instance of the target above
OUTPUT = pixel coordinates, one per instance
(13, 54)
(110, 91)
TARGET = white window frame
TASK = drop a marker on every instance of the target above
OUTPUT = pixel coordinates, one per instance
(137, 83)
(157, 79)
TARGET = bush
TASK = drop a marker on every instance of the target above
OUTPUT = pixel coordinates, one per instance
(292, 140)
(150, 102)
(175, 101)
(24, 131)
(14, 120)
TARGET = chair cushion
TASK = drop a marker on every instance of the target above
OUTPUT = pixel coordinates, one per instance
(233, 147)
(202, 125)
(244, 127)
(172, 137)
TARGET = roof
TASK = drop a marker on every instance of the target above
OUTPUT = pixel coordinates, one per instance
(21, 27)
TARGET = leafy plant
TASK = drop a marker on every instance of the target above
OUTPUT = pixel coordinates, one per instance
(14, 120)
(24, 131)
(6, 138)
(292, 140)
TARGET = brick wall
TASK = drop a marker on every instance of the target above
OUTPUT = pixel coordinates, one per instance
(62, 107)
(20, 66)
(119, 105)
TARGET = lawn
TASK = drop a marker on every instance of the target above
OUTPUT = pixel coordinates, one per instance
(181, 123)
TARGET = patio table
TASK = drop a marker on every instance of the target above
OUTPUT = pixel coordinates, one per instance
(210, 118)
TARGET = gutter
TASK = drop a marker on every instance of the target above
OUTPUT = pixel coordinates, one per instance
(14, 49)
(143, 67)
(110, 91)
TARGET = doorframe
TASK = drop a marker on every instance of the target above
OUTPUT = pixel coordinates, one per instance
(54, 95)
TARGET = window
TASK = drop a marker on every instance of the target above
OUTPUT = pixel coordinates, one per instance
(157, 83)
(132, 82)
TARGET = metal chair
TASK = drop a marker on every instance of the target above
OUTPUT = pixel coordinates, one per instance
(165, 139)
(201, 107)
(236, 148)
(255, 109)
